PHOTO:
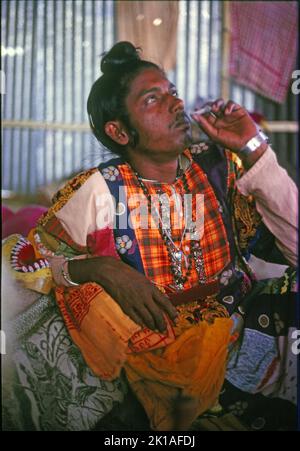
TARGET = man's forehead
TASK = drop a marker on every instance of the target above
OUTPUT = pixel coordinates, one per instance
(148, 80)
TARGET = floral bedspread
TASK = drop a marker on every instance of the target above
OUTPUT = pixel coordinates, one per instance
(46, 384)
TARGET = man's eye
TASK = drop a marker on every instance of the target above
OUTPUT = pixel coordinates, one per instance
(150, 99)
(174, 93)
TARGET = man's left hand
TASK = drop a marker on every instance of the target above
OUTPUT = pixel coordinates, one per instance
(230, 124)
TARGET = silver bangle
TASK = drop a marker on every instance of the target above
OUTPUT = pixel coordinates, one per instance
(66, 275)
(254, 143)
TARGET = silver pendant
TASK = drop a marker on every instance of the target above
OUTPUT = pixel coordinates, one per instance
(178, 256)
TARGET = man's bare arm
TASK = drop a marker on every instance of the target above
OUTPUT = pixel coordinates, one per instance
(137, 296)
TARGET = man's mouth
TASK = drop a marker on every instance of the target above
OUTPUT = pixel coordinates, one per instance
(182, 121)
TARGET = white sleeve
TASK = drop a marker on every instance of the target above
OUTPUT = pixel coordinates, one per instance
(276, 197)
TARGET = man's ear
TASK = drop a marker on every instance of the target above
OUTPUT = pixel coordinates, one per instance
(116, 132)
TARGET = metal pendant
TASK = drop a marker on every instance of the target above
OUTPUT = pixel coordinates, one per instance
(178, 255)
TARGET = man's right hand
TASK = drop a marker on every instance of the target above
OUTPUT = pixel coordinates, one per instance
(137, 296)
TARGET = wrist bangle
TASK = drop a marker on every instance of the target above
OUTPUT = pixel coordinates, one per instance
(254, 143)
(65, 273)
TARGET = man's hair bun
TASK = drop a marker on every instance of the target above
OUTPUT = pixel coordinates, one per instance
(122, 53)
(107, 99)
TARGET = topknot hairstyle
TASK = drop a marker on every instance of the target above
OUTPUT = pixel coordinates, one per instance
(106, 101)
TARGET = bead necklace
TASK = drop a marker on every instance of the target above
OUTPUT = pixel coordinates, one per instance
(176, 254)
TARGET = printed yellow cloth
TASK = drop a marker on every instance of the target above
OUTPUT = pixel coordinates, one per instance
(96, 323)
(193, 365)
(100, 328)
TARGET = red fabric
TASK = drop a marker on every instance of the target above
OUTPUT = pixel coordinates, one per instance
(264, 46)
(101, 242)
(22, 221)
(6, 213)
(154, 253)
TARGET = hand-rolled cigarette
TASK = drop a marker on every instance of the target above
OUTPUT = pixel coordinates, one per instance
(203, 110)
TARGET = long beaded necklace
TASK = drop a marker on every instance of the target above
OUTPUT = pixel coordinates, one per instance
(176, 254)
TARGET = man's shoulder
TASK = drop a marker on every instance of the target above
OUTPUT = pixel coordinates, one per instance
(208, 154)
(74, 184)
(76, 191)
(207, 149)
(219, 164)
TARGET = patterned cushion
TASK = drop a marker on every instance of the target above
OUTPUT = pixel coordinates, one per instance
(46, 383)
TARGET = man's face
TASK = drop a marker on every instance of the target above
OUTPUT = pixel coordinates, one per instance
(157, 114)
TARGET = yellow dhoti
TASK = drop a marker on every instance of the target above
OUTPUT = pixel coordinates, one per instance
(194, 366)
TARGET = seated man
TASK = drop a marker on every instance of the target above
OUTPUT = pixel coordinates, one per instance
(149, 250)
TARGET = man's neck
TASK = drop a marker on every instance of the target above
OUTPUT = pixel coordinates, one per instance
(161, 171)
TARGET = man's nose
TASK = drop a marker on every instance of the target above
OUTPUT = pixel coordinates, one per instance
(176, 105)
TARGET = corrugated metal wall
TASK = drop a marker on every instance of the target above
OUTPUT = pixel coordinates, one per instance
(285, 144)
(50, 57)
(198, 74)
(198, 71)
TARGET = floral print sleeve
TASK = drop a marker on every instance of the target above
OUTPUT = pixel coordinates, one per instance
(252, 236)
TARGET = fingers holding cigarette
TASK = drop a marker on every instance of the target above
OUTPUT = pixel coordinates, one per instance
(204, 110)
(217, 108)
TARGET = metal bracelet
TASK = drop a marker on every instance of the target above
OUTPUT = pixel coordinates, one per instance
(66, 275)
(254, 143)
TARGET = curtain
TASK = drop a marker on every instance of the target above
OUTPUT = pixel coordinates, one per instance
(264, 46)
(151, 25)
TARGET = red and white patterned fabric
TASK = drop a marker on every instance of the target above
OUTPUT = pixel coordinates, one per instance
(264, 46)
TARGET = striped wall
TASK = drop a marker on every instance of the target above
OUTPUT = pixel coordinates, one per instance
(58, 46)
(50, 57)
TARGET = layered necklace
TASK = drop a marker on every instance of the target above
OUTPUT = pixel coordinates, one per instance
(178, 258)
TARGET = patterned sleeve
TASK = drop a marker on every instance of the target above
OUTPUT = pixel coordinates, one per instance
(252, 235)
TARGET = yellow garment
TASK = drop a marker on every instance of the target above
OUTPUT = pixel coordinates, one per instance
(194, 365)
(94, 320)
(97, 326)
